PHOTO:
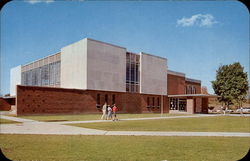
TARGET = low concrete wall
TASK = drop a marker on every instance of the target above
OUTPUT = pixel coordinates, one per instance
(46, 100)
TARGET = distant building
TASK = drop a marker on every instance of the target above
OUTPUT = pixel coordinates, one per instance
(85, 74)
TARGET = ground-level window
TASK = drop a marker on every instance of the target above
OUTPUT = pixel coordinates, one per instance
(98, 100)
(148, 102)
(106, 98)
(113, 99)
(182, 104)
(173, 104)
(158, 102)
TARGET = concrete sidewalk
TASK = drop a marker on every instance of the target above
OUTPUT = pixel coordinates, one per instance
(47, 128)
(53, 128)
(147, 118)
(130, 119)
(16, 119)
(173, 133)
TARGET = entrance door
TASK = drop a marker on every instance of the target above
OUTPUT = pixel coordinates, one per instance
(173, 103)
(182, 105)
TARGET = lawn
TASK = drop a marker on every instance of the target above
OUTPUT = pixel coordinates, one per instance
(83, 117)
(122, 148)
(201, 124)
(5, 121)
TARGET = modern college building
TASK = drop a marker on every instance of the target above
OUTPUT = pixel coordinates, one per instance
(86, 74)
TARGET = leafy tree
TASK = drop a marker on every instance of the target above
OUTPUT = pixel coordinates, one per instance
(231, 84)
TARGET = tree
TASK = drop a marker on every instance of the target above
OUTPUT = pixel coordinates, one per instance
(231, 84)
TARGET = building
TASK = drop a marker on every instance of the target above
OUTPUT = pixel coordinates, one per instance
(85, 74)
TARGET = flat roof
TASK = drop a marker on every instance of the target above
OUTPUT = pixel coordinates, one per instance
(193, 95)
(193, 80)
(7, 97)
(153, 55)
(104, 42)
(176, 73)
(40, 59)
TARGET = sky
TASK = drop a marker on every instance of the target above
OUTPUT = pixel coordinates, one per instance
(196, 37)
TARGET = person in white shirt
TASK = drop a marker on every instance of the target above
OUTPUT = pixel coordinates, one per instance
(104, 111)
(109, 112)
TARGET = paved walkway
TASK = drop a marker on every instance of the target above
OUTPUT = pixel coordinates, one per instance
(53, 128)
(130, 119)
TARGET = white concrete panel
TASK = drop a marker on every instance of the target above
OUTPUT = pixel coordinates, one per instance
(106, 67)
(15, 79)
(153, 73)
(74, 65)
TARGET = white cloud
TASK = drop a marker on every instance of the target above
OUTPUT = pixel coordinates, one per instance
(39, 1)
(206, 20)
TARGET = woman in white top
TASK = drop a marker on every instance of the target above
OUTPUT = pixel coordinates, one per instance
(104, 111)
(109, 112)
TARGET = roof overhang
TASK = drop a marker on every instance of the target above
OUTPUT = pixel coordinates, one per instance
(193, 96)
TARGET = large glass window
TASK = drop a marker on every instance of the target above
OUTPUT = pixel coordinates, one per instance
(132, 72)
(45, 72)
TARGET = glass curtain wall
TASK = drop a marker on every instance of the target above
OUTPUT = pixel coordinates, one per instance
(132, 72)
(44, 72)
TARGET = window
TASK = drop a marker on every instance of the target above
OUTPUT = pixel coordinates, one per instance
(106, 98)
(173, 103)
(98, 100)
(38, 74)
(193, 90)
(153, 102)
(158, 102)
(45, 75)
(113, 99)
(148, 102)
(132, 72)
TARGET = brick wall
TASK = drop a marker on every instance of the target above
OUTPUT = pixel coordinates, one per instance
(196, 85)
(4, 105)
(47, 100)
(176, 84)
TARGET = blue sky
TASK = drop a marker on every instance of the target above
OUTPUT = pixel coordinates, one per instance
(196, 37)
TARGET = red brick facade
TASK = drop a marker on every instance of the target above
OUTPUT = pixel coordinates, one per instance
(196, 85)
(176, 84)
(46, 100)
(5, 104)
(49, 100)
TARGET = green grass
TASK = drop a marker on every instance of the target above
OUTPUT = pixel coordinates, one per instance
(5, 121)
(214, 124)
(122, 148)
(83, 117)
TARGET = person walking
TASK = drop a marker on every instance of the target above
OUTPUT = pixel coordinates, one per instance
(104, 111)
(115, 109)
(226, 110)
(241, 111)
(109, 112)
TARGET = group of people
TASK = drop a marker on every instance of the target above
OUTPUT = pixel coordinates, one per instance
(225, 110)
(109, 112)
